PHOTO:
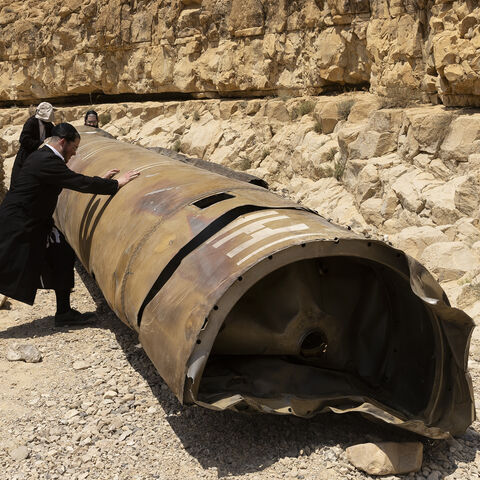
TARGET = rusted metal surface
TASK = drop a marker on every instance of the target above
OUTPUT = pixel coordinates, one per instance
(245, 300)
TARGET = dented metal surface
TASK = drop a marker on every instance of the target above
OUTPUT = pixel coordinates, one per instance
(246, 300)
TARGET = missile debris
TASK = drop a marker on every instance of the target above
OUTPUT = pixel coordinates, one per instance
(248, 301)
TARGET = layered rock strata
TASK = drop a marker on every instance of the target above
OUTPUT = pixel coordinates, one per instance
(403, 49)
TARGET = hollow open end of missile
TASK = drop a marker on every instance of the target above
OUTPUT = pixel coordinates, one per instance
(335, 331)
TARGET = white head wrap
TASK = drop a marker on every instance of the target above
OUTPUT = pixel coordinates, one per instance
(45, 112)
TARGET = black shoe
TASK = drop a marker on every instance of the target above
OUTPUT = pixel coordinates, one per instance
(72, 318)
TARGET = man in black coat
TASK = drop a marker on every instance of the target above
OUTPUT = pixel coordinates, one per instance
(26, 218)
(36, 129)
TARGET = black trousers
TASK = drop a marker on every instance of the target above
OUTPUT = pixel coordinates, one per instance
(57, 270)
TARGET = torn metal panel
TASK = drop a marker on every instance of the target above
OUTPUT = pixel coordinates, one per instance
(245, 300)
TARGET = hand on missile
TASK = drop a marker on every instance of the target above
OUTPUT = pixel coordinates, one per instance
(111, 173)
(127, 177)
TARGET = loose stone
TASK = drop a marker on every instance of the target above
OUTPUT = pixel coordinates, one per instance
(81, 365)
(386, 458)
(20, 453)
(24, 352)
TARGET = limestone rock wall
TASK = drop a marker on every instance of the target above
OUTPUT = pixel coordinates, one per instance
(402, 49)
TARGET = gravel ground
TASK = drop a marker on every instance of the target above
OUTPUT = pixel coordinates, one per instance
(95, 408)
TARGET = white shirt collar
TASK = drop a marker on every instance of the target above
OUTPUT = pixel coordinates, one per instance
(58, 154)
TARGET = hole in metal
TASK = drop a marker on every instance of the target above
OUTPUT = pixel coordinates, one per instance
(212, 199)
(314, 343)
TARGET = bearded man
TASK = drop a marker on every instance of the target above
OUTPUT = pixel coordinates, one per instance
(26, 263)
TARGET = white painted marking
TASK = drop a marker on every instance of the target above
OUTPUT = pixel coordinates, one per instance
(249, 229)
(284, 239)
(95, 151)
(240, 221)
(264, 233)
(150, 165)
(159, 190)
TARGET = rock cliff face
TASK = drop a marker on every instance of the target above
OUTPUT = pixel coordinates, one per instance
(400, 49)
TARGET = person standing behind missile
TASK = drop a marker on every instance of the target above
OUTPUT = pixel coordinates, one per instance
(26, 220)
(91, 119)
(36, 129)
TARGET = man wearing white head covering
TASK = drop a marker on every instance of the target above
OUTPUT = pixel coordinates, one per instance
(36, 129)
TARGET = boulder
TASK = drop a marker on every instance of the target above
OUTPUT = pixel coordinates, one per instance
(439, 170)
(389, 204)
(363, 107)
(465, 230)
(371, 211)
(24, 352)
(368, 183)
(469, 295)
(346, 136)
(421, 161)
(276, 111)
(414, 240)
(473, 163)
(466, 196)
(330, 199)
(463, 139)
(409, 188)
(386, 120)
(371, 143)
(328, 115)
(404, 219)
(386, 458)
(204, 135)
(440, 199)
(449, 260)
(427, 126)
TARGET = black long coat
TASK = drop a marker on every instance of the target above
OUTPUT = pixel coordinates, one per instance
(29, 142)
(26, 219)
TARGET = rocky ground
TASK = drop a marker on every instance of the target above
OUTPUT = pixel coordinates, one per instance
(95, 408)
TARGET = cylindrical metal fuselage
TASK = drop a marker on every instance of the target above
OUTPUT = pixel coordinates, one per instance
(246, 300)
